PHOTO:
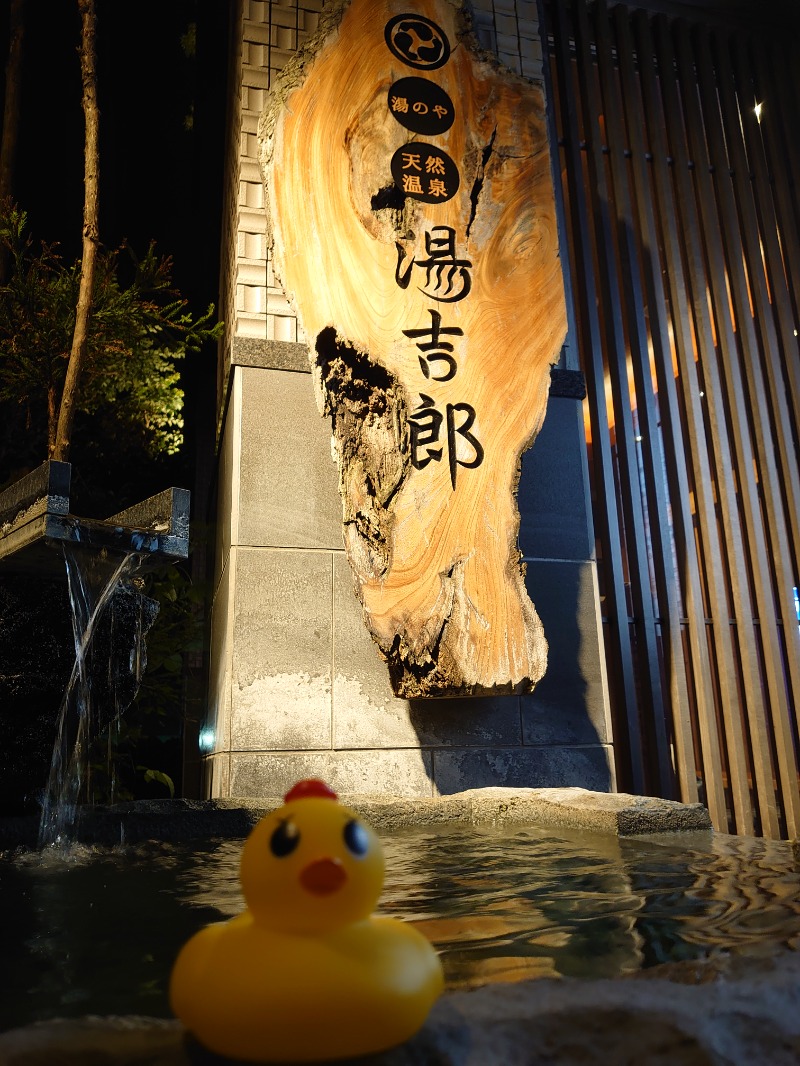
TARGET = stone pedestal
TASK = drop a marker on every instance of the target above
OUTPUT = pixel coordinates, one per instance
(298, 688)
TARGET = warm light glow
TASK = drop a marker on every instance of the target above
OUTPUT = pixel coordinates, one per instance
(758, 109)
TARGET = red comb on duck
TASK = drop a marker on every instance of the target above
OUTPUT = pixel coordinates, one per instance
(312, 786)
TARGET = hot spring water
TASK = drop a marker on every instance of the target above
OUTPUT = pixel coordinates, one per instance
(92, 930)
(95, 930)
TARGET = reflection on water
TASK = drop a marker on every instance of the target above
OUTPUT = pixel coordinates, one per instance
(505, 906)
(739, 894)
(96, 931)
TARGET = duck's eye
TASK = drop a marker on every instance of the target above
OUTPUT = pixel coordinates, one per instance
(356, 837)
(284, 839)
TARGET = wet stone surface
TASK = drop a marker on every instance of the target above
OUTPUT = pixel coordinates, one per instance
(732, 1013)
(571, 808)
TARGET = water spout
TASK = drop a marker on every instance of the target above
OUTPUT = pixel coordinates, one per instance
(92, 580)
(39, 535)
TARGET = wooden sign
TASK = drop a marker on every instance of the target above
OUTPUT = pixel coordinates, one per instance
(414, 231)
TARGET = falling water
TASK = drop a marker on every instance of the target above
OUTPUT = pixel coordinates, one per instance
(91, 582)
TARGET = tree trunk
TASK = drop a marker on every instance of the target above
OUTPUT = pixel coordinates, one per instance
(11, 113)
(11, 106)
(77, 356)
(52, 416)
(414, 230)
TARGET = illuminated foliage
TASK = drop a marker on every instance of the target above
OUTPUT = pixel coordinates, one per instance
(140, 328)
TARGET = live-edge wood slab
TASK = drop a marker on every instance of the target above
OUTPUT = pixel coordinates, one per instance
(433, 315)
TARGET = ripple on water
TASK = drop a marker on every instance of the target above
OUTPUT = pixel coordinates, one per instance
(95, 930)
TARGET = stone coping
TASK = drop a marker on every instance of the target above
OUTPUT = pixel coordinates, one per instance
(616, 813)
(49, 482)
(724, 1011)
(35, 517)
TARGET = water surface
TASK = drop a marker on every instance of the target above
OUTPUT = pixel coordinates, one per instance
(95, 930)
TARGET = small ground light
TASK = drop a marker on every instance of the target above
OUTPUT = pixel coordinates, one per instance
(758, 109)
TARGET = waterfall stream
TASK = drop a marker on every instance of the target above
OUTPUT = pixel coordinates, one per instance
(92, 579)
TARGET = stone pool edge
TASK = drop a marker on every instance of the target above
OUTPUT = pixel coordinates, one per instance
(616, 813)
(732, 1010)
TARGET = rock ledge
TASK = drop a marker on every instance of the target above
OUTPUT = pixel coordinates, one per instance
(571, 808)
(732, 1012)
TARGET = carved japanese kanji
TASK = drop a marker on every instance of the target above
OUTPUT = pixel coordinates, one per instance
(413, 229)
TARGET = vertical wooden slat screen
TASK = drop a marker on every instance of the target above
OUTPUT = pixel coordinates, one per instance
(682, 232)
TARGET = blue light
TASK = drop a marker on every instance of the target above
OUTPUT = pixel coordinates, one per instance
(206, 740)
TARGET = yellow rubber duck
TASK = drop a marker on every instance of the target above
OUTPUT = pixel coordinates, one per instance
(305, 974)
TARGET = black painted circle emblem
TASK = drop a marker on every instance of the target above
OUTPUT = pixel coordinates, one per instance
(421, 106)
(425, 172)
(417, 41)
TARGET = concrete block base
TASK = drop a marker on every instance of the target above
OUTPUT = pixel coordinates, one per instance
(298, 689)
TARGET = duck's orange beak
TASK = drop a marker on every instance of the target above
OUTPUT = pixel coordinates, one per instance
(323, 877)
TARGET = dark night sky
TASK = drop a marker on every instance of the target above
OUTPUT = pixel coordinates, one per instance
(159, 179)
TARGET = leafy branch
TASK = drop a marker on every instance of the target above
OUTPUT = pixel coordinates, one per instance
(139, 329)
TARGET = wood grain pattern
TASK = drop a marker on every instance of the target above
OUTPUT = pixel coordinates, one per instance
(432, 540)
